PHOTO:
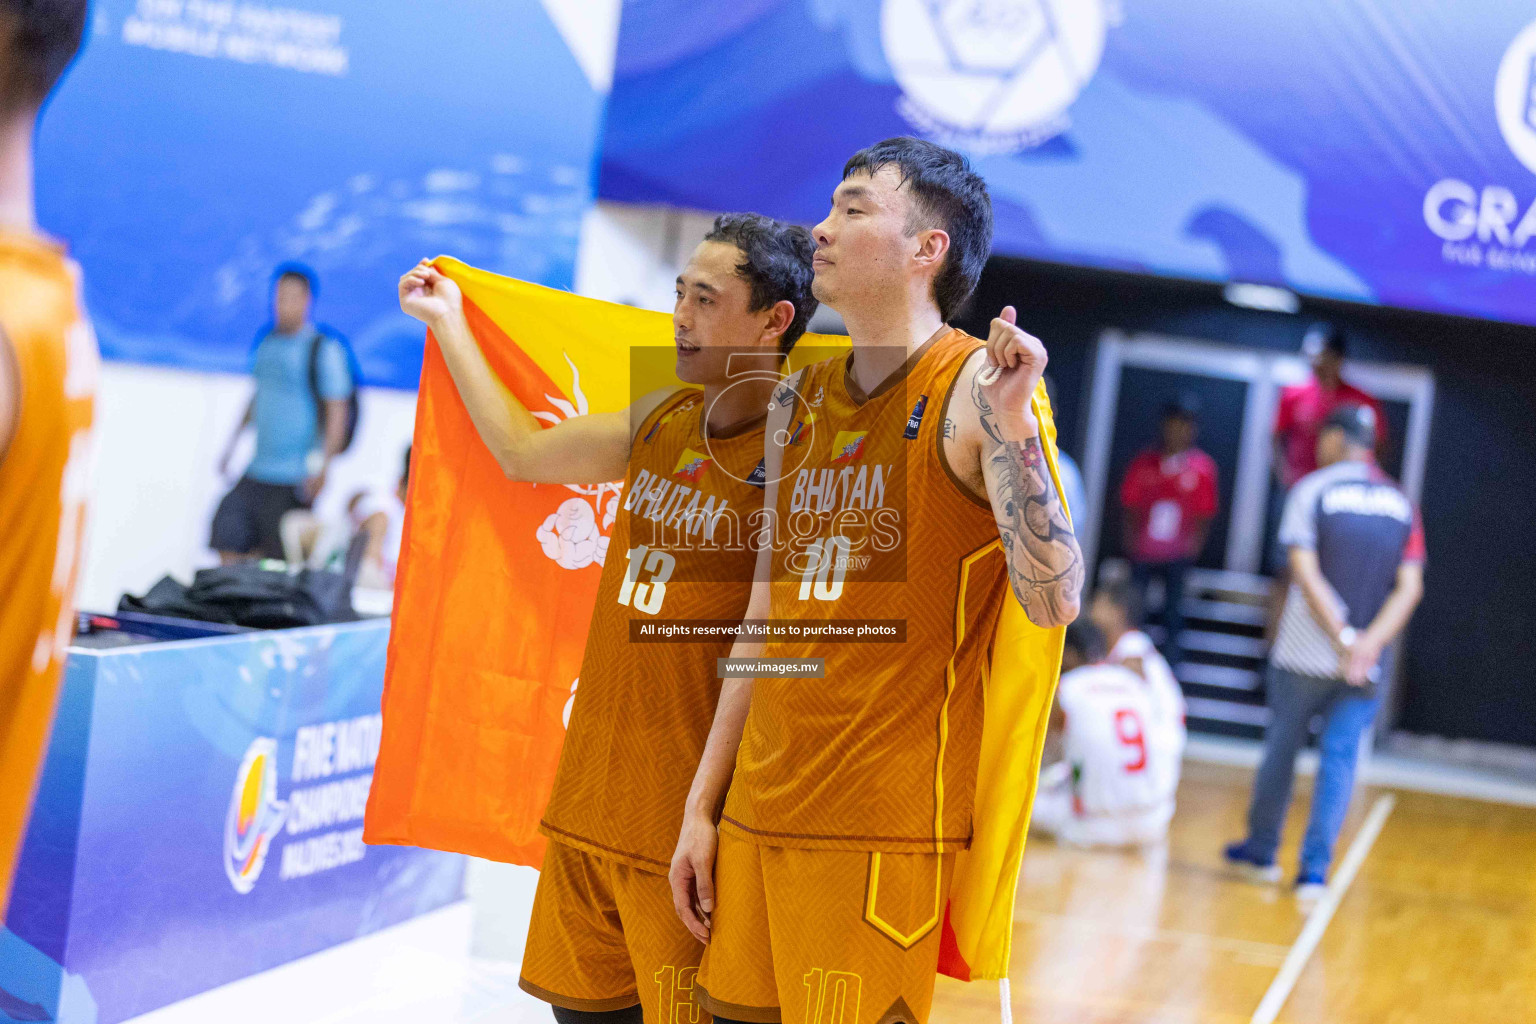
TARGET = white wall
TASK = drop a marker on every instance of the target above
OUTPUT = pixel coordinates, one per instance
(159, 431)
(632, 254)
(159, 434)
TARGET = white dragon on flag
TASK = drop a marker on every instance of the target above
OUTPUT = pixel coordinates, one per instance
(571, 535)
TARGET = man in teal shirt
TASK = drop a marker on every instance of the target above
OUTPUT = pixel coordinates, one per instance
(297, 435)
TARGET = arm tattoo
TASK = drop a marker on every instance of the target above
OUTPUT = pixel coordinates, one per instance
(1045, 564)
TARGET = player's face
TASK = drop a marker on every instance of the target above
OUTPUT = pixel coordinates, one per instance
(1326, 365)
(1178, 433)
(290, 304)
(863, 248)
(712, 319)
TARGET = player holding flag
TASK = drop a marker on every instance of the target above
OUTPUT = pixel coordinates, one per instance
(604, 943)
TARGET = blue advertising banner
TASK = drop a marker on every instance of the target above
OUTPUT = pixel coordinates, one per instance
(198, 143)
(1346, 148)
(199, 820)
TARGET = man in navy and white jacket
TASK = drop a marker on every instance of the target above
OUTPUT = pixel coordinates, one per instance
(1356, 551)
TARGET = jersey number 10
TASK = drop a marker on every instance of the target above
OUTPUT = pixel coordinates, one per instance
(826, 564)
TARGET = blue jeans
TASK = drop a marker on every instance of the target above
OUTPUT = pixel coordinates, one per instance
(1293, 702)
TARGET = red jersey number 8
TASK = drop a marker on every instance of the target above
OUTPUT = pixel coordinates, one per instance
(1130, 732)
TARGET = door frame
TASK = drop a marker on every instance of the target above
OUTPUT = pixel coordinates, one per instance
(1265, 373)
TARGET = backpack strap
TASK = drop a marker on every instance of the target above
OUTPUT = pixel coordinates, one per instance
(314, 382)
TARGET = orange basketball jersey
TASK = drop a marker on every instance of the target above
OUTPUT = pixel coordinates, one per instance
(882, 753)
(42, 510)
(642, 709)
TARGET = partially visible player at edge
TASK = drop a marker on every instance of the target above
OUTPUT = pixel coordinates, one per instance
(48, 367)
(604, 944)
(852, 793)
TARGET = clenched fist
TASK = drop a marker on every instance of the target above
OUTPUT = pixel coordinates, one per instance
(428, 295)
(1015, 363)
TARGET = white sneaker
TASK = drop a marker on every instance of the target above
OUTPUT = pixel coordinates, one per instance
(1310, 888)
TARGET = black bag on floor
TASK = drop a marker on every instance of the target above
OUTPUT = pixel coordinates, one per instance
(248, 595)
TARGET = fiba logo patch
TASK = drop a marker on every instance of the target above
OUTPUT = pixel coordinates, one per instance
(992, 75)
(1514, 97)
(255, 815)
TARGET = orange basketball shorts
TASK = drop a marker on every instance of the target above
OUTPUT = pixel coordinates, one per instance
(604, 936)
(823, 936)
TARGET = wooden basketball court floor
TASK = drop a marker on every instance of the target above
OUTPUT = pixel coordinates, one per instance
(1438, 924)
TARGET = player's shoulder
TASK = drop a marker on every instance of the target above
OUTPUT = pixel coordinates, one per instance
(1357, 395)
(647, 407)
(39, 285)
(793, 382)
(972, 350)
(331, 342)
(1297, 391)
(1105, 676)
(1320, 478)
(1132, 644)
(1380, 477)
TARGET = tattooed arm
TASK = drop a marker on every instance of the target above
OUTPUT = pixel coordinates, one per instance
(1045, 564)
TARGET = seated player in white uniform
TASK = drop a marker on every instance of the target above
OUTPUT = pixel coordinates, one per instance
(1114, 785)
(1114, 611)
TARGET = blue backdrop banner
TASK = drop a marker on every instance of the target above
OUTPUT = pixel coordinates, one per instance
(198, 143)
(199, 819)
(1346, 148)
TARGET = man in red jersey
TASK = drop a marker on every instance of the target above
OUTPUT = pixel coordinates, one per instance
(1304, 408)
(1169, 498)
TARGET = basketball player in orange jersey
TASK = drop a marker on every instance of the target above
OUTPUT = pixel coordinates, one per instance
(48, 366)
(911, 482)
(604, 944)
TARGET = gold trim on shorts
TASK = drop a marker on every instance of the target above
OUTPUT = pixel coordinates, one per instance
(731, 1011)
(585, 1005)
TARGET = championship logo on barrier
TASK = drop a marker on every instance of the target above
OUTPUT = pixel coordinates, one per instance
(255, 815)
(992, 75)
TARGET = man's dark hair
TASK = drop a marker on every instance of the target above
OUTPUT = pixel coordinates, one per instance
(1124, 595)
(1184, 406)
(775, 261)
(1358, 423)
(38, 39)
(405, 466)
(946, 194)
(295, 272)
(1325, 337)
(1087, 640)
